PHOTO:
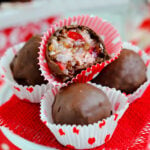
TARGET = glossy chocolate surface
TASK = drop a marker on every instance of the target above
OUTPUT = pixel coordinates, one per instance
(80, 104)
(126, 73)
(25, 66)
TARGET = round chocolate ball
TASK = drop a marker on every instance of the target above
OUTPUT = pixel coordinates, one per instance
(72, 49)
(80, 104)
(25, 68)
(126, 73)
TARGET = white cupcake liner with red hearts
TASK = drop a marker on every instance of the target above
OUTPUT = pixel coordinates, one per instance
(86, 136)
(105, 30)
(138, 93)
(30, 93)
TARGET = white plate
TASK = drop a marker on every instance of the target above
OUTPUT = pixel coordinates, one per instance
(5, 94)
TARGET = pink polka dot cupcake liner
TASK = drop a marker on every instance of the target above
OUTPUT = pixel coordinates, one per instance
(30, 93)
(102, 28)
(86, 136)
(138, 93)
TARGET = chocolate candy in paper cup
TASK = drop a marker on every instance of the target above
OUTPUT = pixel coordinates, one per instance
(30, 93)
(77, 48)
(129, 73)
(84, 136)
(138, 93)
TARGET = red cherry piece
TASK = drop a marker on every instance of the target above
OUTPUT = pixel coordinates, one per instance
(91, 141)
(30, 89)
(70, 146)
(91, 50)
(102, 124)
(75, 36)
(107, 138)
(117, 106)
(16, 88)
(116, 116)
(75, 130)
(60, 66)
(61, 132)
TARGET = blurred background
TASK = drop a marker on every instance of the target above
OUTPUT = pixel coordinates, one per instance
(20, 19)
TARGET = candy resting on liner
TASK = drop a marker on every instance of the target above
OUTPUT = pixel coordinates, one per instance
(72, 49)
(92, 123)
(77, 48)
(80, 104)
(126, 73)
(25, 66)
(130, 73)
(19, 68)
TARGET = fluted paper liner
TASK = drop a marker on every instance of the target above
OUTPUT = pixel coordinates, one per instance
(105, 30)
(30, 93)
(86, 136)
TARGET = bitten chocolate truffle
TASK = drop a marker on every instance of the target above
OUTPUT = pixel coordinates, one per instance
(80, 104)
(25, 68)
(72, 49)
(126, 73)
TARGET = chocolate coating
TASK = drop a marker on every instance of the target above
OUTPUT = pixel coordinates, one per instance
(25, 66)
(72, 49)
(80, 104)
(126, 73)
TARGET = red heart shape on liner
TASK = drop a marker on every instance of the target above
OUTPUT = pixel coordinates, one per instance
(4, 69)
(61, 132)
(75, 130)
(116, 116)
(45, 122)
(91, 141)
(147, 63)
(147, 49)
(117, 106)
(30, 89)
(1, 82)
(107, 138)
(16, 88)
(102, 123)
(140, 53)
(2, 76)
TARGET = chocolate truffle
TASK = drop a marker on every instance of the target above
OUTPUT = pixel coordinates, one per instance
(80, 104)
(25, 68)
(72, 49)
(126, 73)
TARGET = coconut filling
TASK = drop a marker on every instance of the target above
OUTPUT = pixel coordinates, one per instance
(74, 48)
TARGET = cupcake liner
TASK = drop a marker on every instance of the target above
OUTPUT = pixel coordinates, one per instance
(86, 136)
(138, 93)
(30, 93)
(103, 29)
